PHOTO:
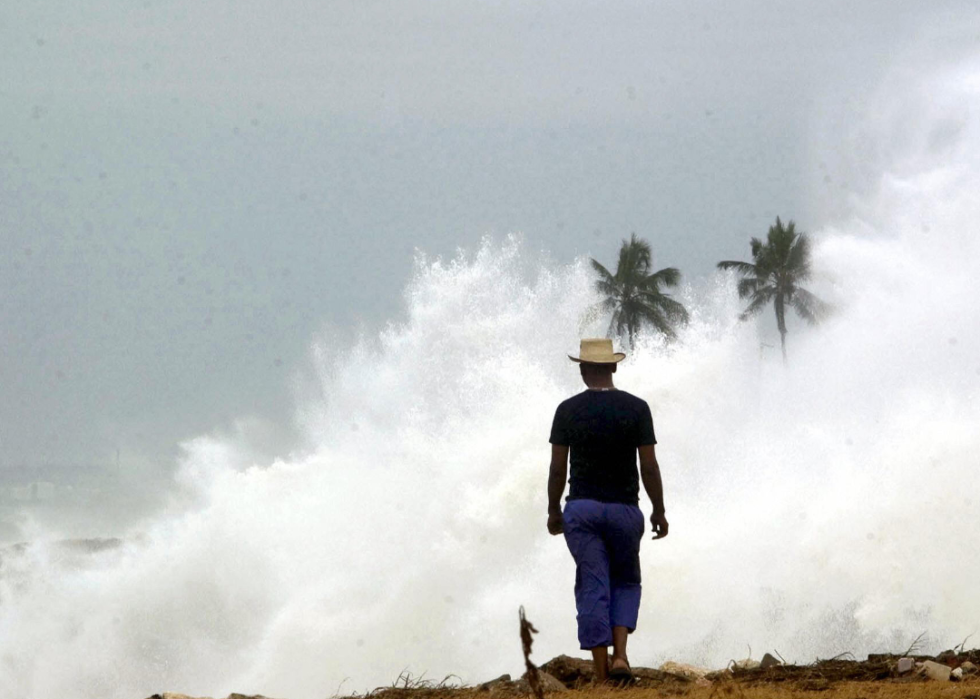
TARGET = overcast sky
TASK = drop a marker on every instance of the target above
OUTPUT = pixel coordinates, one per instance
(191, 190)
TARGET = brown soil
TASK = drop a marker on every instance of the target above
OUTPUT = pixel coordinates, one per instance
(844, 689)
(838, 678)
(846, 678)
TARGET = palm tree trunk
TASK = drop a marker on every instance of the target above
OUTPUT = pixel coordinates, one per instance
(780, 305)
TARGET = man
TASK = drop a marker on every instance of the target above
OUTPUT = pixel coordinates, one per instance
(604, 428)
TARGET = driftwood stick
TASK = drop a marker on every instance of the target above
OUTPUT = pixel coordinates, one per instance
(527, 628)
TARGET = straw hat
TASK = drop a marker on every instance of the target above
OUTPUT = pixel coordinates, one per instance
(597, 350)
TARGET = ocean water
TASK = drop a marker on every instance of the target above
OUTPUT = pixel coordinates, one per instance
(822, 507)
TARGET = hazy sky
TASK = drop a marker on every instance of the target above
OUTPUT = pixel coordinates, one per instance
(191, 190)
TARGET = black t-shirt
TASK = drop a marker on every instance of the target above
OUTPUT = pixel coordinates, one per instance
(603, 430)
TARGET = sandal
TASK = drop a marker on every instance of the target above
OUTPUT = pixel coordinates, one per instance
(620, 674)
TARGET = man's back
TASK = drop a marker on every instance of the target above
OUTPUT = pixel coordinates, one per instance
(603, 429)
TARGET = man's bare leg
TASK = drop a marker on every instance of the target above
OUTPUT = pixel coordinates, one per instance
(600, 659)
(619, 661)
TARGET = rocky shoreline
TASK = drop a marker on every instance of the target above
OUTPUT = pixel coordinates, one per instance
(564, 674)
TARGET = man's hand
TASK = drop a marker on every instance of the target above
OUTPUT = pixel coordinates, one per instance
(555, 524)
(659, 524)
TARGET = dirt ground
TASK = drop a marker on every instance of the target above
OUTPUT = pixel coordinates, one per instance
(842, 690)
(564, 677)
(887, 689)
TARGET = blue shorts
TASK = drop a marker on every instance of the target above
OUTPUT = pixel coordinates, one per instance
(604, 539)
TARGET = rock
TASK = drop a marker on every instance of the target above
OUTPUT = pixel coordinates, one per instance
(687, 672)
(716, 675)
(490, 684)
(550, 683)
(968, 668)
(648, 676)
(935, 671)
(570, 671)
(768, 661)
(746, 664)
(956, 675)
(905, 665)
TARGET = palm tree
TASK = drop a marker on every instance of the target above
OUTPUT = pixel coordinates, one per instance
(781, 264)
(634, 295)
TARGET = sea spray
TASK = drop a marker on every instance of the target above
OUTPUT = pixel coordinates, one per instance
(819, 507)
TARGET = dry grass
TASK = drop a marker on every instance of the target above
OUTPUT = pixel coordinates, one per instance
(731, 689)
(841, 677)
(842, 690)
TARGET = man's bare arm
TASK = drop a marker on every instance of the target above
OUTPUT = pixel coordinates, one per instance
(652, 483)
(650, 473)
(557, 476)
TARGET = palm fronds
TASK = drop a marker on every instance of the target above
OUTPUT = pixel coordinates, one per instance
(780, 264)
(634, 296)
